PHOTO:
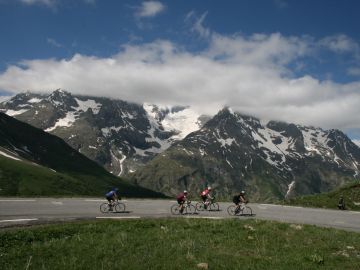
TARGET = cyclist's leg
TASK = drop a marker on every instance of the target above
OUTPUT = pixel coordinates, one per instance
(109, 200)
(206, 202)
(237, 208)
(242, 206)
(112, 203)
(181, 205)
(203, 198)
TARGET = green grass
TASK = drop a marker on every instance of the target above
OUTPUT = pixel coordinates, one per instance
(179, 244)
(59, 170)
(351, 193)
(22, 178)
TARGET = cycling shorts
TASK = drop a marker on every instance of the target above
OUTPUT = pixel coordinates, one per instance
(180, 201)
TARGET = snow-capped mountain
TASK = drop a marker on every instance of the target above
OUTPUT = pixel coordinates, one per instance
(119, 135)
(182, 149)
(274, 160)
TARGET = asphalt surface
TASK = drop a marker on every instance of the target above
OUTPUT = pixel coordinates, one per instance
(26, 211)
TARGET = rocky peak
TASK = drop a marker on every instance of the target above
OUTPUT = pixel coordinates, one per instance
(63, 99)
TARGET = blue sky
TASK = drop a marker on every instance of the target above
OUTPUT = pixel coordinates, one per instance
(303, 55)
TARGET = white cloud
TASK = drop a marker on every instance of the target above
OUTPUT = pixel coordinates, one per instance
(340, 44)
(49, 3)
(149, 9)
(53, 4)
(198, 24)
(4, 98)
(248, 73)
(54, 43)
(258, 49)
(354, 71)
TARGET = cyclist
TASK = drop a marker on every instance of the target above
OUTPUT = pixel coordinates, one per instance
(112, 196)
(206, 197)
(341, 204)
(239, 200)
(181, 199)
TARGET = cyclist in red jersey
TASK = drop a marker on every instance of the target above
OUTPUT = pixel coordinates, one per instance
(206, 197)
(181, 199)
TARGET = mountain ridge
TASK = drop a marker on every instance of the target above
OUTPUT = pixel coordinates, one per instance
(119, 135)
(234, 152)
(163, 148)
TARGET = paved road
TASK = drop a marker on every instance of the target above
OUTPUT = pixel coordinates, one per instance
(28, 211)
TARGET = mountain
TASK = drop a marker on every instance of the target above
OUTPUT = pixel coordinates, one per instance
(118, 135)
(33, 162)
(167, 149)
(232, 152)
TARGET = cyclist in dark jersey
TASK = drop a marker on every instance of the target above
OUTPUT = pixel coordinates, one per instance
(112, 196)
(239, 199)
(341, 204)
(181, 199)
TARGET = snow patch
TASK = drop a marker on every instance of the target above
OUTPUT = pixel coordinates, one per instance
(154, 125)
(13, 113)
(226, 142)
(108, 130)
(357, 142)
(8, 156)
(120, 161)
(88, 104)
(34, 100)
(290, 188)
(67, 121)
(140, 152)
(202, 152)
(182, 122)
(228, 162)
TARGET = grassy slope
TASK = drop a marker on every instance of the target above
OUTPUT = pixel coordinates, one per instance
(350, 192)
(179, 244)
(21, 178)
(75, 174)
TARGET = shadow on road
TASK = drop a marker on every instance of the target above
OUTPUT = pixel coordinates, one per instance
(120, 212)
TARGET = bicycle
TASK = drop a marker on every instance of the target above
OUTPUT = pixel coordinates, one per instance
(212, 206)
(115, 207)
(239, 210)
(189, 208)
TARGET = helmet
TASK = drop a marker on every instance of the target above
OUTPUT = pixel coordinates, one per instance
(242, 192)
(185, 191)
(209, 188)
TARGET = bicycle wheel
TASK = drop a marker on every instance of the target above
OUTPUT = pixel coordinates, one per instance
(119, 207)
(231, 210)
(175, 209)
(214, 206)
(200, 206)
(104, 208)
(190, 209)
(247, 211)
